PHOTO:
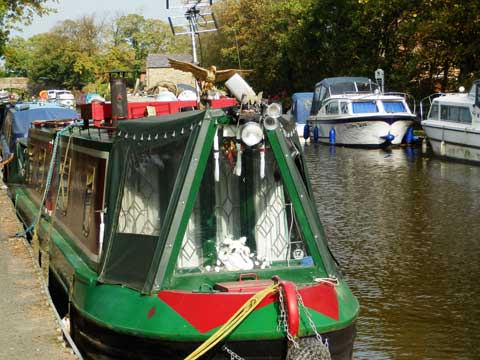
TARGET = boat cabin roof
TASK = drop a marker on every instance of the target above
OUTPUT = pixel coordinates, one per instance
(458, 99)
(343, 85)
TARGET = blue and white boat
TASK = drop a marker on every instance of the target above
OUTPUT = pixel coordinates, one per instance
(355, 111)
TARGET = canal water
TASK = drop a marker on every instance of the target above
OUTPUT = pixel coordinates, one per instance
(405, 228)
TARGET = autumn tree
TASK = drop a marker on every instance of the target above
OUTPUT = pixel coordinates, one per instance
(14, 12)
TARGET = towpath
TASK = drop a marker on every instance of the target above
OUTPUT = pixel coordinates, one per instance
(28, 326)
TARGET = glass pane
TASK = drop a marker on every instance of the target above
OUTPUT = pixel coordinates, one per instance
(394, 107)
(149, 183)
(433, 112)
(240, 223)
(364, 107)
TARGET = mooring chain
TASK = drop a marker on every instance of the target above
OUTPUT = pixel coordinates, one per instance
(233, 355)
(309, 318)
(282, 320)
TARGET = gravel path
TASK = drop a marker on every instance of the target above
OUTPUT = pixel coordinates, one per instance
(28, 326)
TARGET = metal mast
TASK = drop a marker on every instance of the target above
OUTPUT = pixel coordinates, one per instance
(198, 18)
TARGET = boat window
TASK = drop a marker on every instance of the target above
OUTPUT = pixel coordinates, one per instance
(364, 87)
(149, 181)
(433, 115)
(344, 107)
(363, 107)
(240, 223)
(342, 88)
(394, 107)
(456, 114)
(332, 108)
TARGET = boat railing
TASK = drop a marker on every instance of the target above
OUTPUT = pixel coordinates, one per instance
(428, 98)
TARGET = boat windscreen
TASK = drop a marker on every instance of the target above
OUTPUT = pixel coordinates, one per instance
(242, 223)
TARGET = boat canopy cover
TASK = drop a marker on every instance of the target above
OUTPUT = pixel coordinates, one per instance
(20, 118)
(341, 80)
(301, 105)
(145, 159)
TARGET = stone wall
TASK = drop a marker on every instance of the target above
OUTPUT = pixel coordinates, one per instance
(14, 82)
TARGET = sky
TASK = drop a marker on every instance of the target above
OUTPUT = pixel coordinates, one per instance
(74, 9)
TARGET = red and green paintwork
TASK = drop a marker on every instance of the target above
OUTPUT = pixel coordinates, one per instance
(179, 312)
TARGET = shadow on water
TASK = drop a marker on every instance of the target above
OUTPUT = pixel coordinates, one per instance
(406, 231)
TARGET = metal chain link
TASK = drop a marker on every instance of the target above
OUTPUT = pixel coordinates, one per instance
(233, 355)
(309, 318)
(282, 320)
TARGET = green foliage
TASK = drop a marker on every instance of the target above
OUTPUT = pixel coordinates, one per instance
(13, 12)
(290, 44)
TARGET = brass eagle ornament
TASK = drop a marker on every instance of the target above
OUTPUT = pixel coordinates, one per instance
(208, 76)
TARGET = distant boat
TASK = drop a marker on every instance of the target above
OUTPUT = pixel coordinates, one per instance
(64, 98)
(301, 105)
(355, 111)
(453, 124)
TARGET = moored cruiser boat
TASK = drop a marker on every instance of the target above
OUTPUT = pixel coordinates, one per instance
(354, 111)
(452, 125)
(160, 229)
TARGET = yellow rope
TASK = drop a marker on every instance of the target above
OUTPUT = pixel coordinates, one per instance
(233, 322)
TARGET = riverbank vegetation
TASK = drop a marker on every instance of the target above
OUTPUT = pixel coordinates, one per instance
(422, 45)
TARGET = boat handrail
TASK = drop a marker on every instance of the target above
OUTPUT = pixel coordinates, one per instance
(429, 98)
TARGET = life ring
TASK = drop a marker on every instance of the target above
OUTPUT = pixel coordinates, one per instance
(43, 94)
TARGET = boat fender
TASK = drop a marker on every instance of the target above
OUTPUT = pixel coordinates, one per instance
(309, 348)
(409, 135)
(389, 137)
(332, 136)
(443, 150)
(291, 306)
(316, 135)
(306, 131)
(424, 145)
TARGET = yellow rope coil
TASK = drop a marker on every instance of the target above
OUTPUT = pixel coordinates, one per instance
(233, 322)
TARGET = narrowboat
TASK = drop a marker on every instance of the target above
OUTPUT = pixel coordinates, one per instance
(189, 235)
(354, 111)
(452, 125)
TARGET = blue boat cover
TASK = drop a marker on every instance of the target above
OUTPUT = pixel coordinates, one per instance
(301, 104)
(22, 116)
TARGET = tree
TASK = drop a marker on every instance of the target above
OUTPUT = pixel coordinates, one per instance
(145, 36)
(13, 12)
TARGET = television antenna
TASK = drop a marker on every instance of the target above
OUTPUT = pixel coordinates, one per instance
(198, 18)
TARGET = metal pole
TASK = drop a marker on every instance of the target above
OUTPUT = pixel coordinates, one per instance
(194, 45)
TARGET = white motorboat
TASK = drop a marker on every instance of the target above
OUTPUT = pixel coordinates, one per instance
(453, 124)
(356, 111)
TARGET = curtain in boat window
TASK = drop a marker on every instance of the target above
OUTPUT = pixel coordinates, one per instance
(393, 107)
(235, 207)
(364, 107)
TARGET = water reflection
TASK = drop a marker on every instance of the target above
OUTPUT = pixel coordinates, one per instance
(406, 230)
